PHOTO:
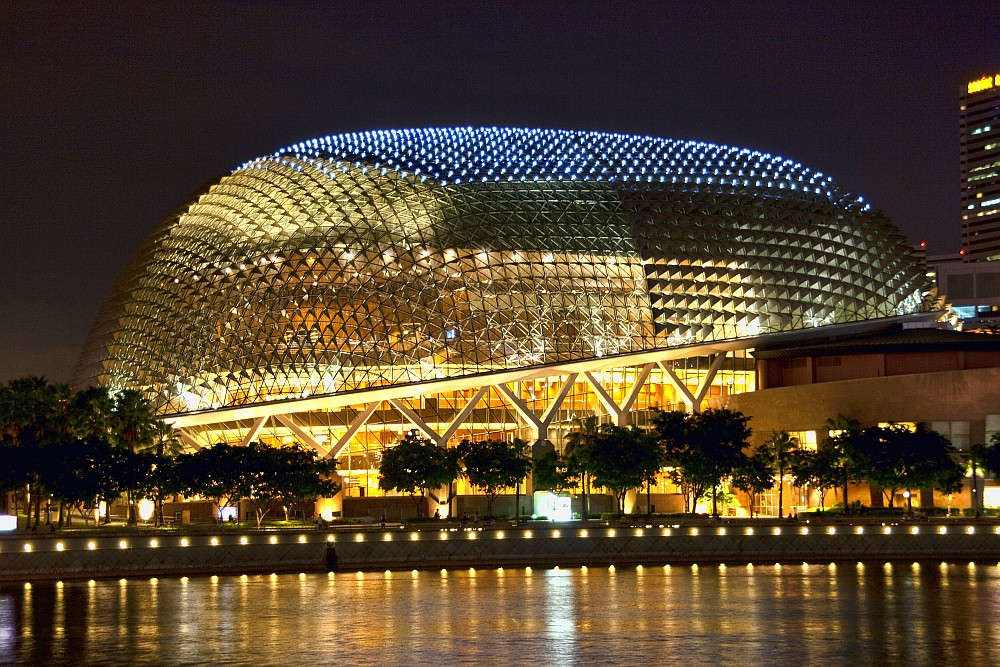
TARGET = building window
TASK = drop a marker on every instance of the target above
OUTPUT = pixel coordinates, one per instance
(956, 432)
(992, 426)
(804, 439)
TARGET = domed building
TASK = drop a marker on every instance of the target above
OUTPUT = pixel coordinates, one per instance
(474, 282)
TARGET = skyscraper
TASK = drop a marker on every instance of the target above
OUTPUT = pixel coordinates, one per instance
(979, 134)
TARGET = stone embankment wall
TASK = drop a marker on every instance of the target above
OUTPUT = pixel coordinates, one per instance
(47, 557)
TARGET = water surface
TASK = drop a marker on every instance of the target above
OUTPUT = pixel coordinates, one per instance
(816, 614)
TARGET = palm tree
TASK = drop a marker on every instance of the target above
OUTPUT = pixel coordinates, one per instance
(778, 446)
(577, 445)
(165, 444)
(976, 459)
(133, 429)
(30, 416)
(523, 448)
(134, 420)
(93, 412)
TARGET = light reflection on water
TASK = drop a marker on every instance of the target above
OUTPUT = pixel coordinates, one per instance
(916, 613)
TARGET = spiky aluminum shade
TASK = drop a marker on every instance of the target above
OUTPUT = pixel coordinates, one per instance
(366, 260)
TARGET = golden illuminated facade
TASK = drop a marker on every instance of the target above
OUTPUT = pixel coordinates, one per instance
(484, 281)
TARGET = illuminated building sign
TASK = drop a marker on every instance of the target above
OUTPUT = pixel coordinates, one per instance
(985, 83)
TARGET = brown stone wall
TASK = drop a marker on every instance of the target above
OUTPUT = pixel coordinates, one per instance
(924, 362)
(396, 508)
(848, 367)
(967, 395)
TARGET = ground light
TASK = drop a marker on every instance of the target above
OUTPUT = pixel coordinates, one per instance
(146, 508)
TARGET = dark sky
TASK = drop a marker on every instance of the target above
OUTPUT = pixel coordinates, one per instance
(112, 114)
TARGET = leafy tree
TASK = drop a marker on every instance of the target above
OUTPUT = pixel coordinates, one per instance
(524, 448)
(223, 472)
(719, 496)
(493, 465)
(898, 458)
(417, 464)
(157, 479)
(266, 467)
(939, 470)
(80, 473)
(703, 448)
(550, 472)
(622, 459)
(779, 447)
(301, 475)
(991, 454)
(14, 475)
(577, 457)
(819, 469)
(256, 473)
(754, 476)
(722, 436)
(683, 463)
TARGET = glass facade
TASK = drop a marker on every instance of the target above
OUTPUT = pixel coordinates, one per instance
(979, 140)
(436, 260)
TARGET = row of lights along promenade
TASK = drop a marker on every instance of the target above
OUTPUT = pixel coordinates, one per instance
(113, 552)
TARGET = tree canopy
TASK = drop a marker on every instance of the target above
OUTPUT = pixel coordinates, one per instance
(704, 448)
(417, 464)
(623, 458)
(754, 476)
(819, 469)
(898, 458)
(494, 465)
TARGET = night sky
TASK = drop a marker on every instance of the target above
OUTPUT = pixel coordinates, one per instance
(112, 114)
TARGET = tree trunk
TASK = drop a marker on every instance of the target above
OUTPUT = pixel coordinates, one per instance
(649, 504)
(584, 509)
(781, 492)
(132, 517)
(715, 507)
(517, 502)
(975, 491)
(847, 508)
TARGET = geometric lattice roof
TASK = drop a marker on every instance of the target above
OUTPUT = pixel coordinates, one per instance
(379, 258)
